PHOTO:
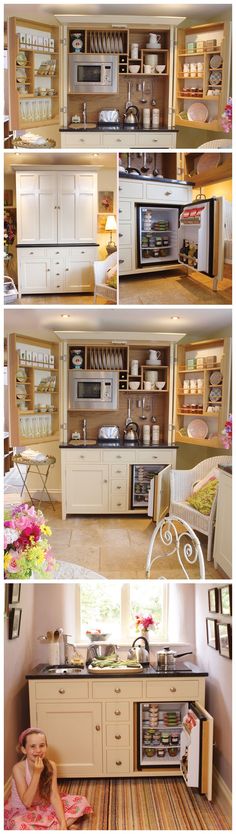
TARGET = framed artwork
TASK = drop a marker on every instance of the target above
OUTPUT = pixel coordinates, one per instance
(8, 197)
(102, 219)
(226, 600)
(14, 590)
(211, 627)
(213, 600)
(14, 623)
(105, 202)
(76, 357)
(225, 639)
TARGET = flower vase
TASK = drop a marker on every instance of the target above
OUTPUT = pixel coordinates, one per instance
(145, 634)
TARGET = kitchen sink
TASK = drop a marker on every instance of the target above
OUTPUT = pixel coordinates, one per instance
(62, 670)
(83, 443)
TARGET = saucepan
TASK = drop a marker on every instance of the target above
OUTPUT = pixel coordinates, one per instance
(166, 658)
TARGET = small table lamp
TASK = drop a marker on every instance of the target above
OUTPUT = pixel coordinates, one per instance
(110, 227)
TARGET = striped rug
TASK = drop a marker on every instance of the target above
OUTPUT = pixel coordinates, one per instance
(145, 805)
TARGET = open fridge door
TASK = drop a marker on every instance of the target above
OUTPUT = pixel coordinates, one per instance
(159, 495)
(198, 236)
(196, 750)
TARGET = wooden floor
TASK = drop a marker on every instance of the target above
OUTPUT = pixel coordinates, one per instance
(114, 546)
(175, 288)
(63, 300)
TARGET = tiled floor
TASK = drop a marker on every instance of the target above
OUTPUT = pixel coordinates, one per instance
(114, 546)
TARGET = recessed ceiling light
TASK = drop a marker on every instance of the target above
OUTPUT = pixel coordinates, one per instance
(65, 316)
(175, 318)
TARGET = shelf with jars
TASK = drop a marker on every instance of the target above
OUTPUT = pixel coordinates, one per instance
(33, 390)
(33, 74)
(203, 75)
(202, 391)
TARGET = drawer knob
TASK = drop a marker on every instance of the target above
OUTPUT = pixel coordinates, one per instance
(121, 261)
(119, 504)
(118, 737)
(120, 211)
(81, 456)
(67, 269)
(118, 456)
(120, 189)
(172, 688)
(119, 763)
(58, 286)
(57, 253)
(120, 234)
(105, 482)
(82, 252)
(31, 253)
(81, 140)
(98, 728)
(117, 689)
(55, 207)
(118, 487)
(48, 270)
(62, 691)
(117, 712)
(57, 273)
(118, 140)
(168, 193)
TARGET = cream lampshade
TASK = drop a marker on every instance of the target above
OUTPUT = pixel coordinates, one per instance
(110, 227)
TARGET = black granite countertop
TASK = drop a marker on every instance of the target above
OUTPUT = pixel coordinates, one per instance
(52, 245)
(126, 176)
(114, 128)
(120, 444)
(225, 468)
(41, 672)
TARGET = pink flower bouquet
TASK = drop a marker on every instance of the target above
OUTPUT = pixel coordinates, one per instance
(26, 548)
(226, 434)
(143, 623)
(226, 118)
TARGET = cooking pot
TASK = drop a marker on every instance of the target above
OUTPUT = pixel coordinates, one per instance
(131, 115)
(131, 432)
(166, 658)
(97, 650)
(141, 653)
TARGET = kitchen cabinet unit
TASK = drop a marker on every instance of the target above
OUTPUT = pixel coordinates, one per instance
(202, 391)
(222, 553)
(113, 718)
(56, 230)
(33, 390)
(160, 227)
(206, 170)
(82, 138)
(33, 54)
(203, 75)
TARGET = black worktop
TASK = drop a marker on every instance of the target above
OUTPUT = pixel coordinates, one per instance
(225, 468)
(126, 176)
(114, 128)
(41, 672)
(52, 245)
(120, 444)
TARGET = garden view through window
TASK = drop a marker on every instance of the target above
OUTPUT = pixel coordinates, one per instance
(111, 607)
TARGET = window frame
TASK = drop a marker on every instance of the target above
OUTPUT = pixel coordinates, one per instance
(125, 608)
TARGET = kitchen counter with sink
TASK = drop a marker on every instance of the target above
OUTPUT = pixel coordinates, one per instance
(48, 672)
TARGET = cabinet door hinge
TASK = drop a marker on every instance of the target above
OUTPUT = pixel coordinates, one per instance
(63, 357)
(63, 109)
(63, 41)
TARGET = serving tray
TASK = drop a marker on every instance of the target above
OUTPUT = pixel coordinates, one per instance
(122, 670)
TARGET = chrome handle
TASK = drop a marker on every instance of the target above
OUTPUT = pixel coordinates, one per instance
(82, 252)
(48, 270)
(31, 253)
(98, 728)
(172, 688)
(58, 286)
(117, 689)
(62, 691)
(118, 456)
(118, 487)
(57, 273)
(67, 269)
(168, 193)
(117, 712)
(118, 737)
(57, 253)
(120, 189)
(120, 235)
(119, 763)
(121, 261)
(118, 140)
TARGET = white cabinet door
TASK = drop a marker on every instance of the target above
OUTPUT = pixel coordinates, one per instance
(79, 274)
(47, 207)
(67, 207)
(86, 207)
(33, 275)
(36, 207)
(75, 734)
(86, 488)
(161, 500)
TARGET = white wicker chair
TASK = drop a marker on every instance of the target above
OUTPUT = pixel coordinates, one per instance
(181, 483)
(100, 270)
(179, 540)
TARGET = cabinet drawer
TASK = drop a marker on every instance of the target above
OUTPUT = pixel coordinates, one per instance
(167, 193)
(118, 736)
(118, 761)
(117, 140)
(125, 210)
(118, 712)
(56, 252)
(156, 456)
(120, 456)
(81, 456)
(173, 689)
(32, 254)
(82, 253)
(118, 503)
(61, 690)
(117, 689)
(125, 260)
(131, 189)
(118, 486)
(125, 234)
(119, 469)
(80, 140)
(157, 140)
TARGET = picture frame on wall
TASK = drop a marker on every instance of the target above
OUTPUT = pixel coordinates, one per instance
(226, 600)
(212, 633)
(105, 202)
(14, 591)
(213, 600)
(225, 639)
(14, 623)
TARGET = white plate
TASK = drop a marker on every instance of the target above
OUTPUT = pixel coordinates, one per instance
(91, 359)
(116, 360)
(197, 429)
(120, 361)
(197, 112)
(216, 62)
(112, 361)
(104, 43)
(99, 43)
(112, 43)
(95, 360)
(104, 360)
(95, 43)
(100, 360)
(91, 42)
(215, 377)
(116, 43)
(108, 361)
(120, 44)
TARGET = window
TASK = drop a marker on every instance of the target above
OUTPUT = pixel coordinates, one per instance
(112, 606)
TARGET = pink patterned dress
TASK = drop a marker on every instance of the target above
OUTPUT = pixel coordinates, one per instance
(41, 815)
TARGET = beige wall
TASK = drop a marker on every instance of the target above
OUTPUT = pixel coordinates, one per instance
(107, 181)
(217, 189)
(18, 661)
(219, 687)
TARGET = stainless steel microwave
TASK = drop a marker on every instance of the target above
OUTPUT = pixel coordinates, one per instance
(93, 73)
(93, 390)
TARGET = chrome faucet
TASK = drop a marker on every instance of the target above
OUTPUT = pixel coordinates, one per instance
(67, 644)
(84, 113)
(85, 429)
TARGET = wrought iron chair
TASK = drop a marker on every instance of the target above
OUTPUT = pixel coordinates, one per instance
(180, 540)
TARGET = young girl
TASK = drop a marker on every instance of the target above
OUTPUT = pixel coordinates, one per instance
(35, 800)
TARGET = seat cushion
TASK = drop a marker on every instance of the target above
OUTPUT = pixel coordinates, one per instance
(203, 499)
(197, 520)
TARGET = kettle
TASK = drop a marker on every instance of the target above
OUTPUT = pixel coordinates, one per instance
(131, 432)
(141, 653)
(131, 115)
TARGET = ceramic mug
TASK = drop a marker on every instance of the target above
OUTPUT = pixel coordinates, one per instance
(147, 385)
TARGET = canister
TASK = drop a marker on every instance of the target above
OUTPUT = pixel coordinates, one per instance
(155, 435)
(134, 367)
(134, 51)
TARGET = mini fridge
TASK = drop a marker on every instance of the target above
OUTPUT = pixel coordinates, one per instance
(192, 235)
(177, 735)
(142, 478)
